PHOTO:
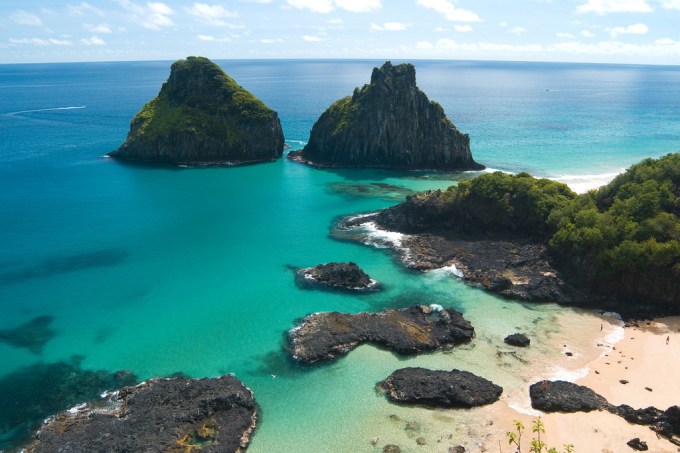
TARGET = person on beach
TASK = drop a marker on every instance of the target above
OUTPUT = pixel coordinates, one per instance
(668, 338)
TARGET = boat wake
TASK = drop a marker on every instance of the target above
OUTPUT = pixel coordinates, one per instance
(75, 107)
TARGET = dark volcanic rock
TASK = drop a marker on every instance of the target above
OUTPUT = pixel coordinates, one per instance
(387, 123)
(517, 339)
(201, 116)
(637, 444)
(647, 416)
(343, 276)
(439, 388)
(161, 415)
(562, 396)
(324, 336)
(671, 418)
(31, 393)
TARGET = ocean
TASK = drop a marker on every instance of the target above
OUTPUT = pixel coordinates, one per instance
(166, 270)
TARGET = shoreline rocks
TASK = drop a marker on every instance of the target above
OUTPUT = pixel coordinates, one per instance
(437, 388)
(176, 414)
(517, 339)
(201, 116)
(388, 123)
(336, 276)
(326, 336)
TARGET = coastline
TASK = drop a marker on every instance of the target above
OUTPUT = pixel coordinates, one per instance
(641, 357)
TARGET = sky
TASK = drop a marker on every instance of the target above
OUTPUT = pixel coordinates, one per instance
(599, 31)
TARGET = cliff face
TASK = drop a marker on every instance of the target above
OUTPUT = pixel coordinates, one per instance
(202, 116)
(387, 123)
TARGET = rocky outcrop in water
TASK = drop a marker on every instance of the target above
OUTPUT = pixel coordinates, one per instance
(200, 117)
(325, 336)
(389, 123)
(517, 339)
(160, 415)
(436, 388)
(338, 276)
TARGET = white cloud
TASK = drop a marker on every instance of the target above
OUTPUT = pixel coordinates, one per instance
(23, 18)
(270, 41)
(153, 16)
(209, 38)
(517, 30)
(565, 35)
(462, 28)
(390, 26)
(614, 6)
(664, 41)
(41, 42)
(441, 29)
(83, 8)
(93, 41)
(99, 28)
(449, 11)
(359, 6)
(311, 38)
(326, 6)
(587, 34)
(635, 29)
(335, 24)
(671, 4)
(317, 6)
(425, 45)
(211, 15)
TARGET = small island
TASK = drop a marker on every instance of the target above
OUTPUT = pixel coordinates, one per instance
(203, 117)
(389, 123)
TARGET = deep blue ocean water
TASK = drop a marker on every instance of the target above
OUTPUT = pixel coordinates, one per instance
(164, 270)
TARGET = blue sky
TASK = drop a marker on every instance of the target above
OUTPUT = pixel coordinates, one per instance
(608, 31)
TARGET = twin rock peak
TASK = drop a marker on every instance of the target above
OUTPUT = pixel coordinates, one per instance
(201, 116)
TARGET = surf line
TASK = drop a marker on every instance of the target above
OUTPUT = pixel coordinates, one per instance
(47, 110)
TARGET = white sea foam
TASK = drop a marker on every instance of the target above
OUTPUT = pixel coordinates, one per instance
(78, 408)
(436, 307)
(76, 107)
(525, 409)
(447, 271)
(584, 183)
(382, 238)
(563, 374)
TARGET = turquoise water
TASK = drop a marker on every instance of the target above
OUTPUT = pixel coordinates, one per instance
(162, 270)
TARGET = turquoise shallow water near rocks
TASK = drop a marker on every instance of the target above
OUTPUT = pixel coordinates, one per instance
(164, 270)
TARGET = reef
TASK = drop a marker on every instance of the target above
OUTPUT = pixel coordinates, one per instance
(437, 388)
(37, 391)
(160, 415)
(201, 116)
(337, 276)
(388, 123)
(325, 336)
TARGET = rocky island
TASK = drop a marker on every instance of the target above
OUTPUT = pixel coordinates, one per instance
(201, 116)
(160, 415)
(389, 123)
(336, 276)
(439, 388)
(325, 336)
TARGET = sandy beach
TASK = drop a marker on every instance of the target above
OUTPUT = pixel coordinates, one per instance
(644, 359)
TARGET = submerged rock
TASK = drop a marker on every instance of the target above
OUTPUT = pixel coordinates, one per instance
(517, 339)
(342, 276)
(30, 394)
(325, 336)
(388, 123)
(562, 396)
(439, 388)
(202, 116)
(32, 335)
(160, 415)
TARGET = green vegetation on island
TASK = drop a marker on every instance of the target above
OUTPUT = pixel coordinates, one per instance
(201, 115)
